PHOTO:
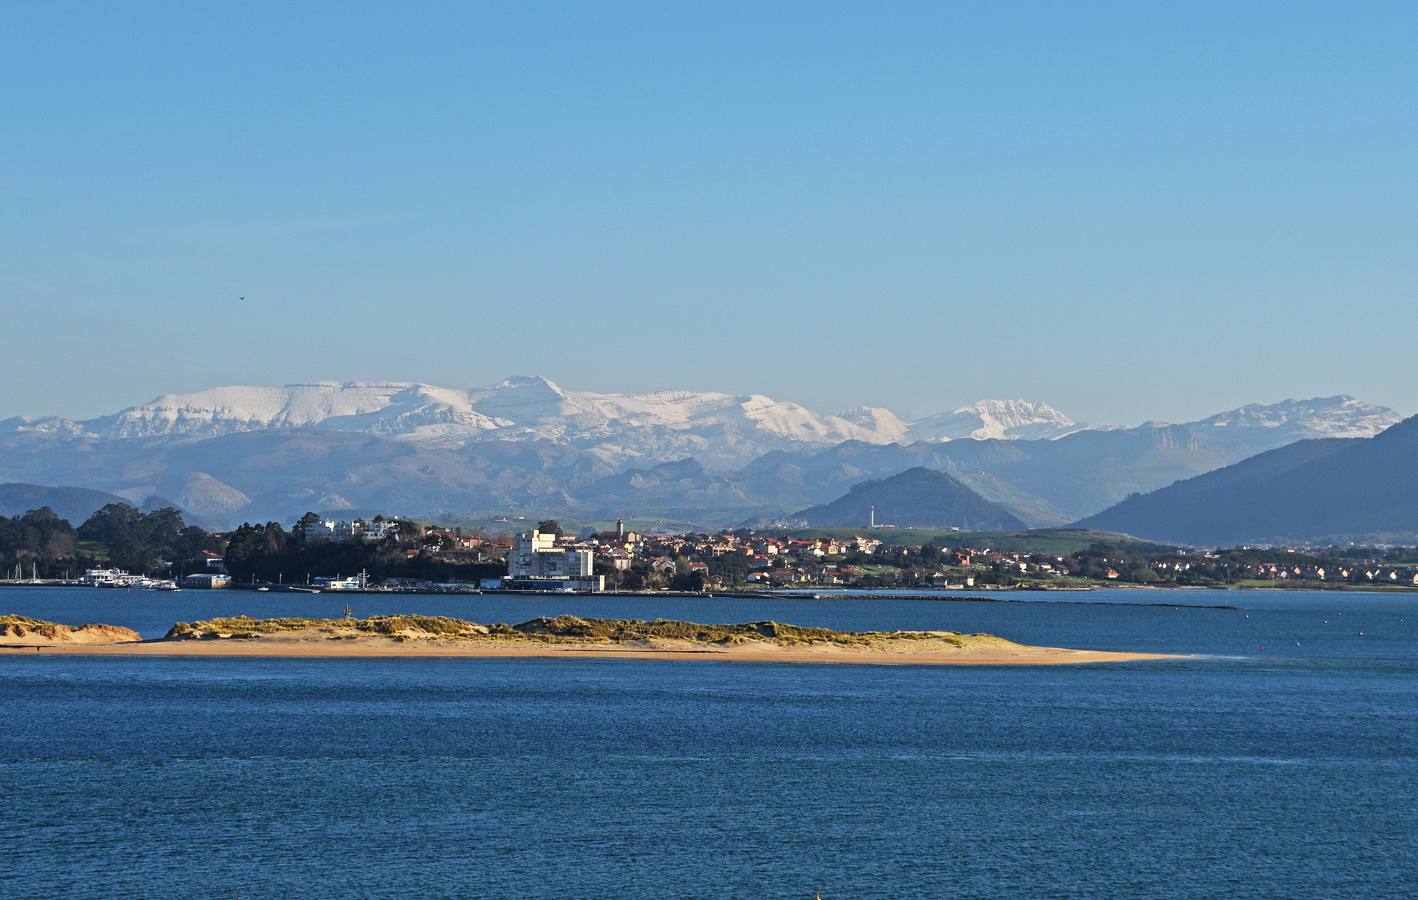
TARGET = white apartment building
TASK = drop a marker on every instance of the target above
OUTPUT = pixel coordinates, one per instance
(537, 563)
(352, 529)
(536, 555)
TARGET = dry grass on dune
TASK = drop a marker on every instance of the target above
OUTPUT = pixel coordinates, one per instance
(563, 636)
(553, 630)
(24, 630)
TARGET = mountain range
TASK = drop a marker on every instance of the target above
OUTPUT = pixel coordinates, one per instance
(721, 430)
(1334, 490)
(235, 453)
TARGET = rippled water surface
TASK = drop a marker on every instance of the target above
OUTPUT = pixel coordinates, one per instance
(1285, 771)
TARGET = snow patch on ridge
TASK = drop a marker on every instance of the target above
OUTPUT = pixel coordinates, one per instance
(1340, 416)
(720, 430)
(995, 419)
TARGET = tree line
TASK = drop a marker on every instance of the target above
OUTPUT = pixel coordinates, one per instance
(119, 535)
(272, 554)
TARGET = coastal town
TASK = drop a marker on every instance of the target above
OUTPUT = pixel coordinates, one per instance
(124, 548)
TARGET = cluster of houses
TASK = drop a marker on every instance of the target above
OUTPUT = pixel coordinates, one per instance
(371, 530)
(772, 560)
(1301, 566)
(551, 561)
(1370, 574)
(764, 560)
(767, 560)
(456, 545)
(545, 561)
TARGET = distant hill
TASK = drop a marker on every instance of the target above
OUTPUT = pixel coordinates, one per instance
(1320, 491)
(71, 503)
(683, 487)
(1057, 481)
(916, 498)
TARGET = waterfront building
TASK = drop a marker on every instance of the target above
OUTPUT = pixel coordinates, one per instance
(353, 583)
(107, 578)
(206, 580)
(536, 562)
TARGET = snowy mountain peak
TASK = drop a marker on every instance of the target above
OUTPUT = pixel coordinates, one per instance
(878, 420)
(1340, 416)
(533, 383)
(524, 399)
(997, 419)
(234, 408)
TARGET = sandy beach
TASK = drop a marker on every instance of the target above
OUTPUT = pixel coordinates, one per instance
(1022, 656)
(562, 637)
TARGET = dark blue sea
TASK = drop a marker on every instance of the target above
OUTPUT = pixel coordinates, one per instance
(1287, 771)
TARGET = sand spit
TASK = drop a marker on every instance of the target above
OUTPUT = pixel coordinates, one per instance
(571, 636)
(26, 632)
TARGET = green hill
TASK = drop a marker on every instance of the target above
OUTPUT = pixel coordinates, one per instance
(70, 503)
(1322, 491)
(915, 498)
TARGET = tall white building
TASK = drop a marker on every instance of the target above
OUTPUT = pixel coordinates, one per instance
(536, 558)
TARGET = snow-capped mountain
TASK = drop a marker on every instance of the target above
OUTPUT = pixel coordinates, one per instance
(879, 420)
(537, 402)
(236, 452)
(720, 430)
(998, 419)
(1340, 416)
(389, 408)
(716, 428)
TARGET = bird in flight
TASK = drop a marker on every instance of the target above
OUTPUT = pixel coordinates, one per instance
(241, 298)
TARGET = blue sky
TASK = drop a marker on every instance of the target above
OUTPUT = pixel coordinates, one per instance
(1128, 210)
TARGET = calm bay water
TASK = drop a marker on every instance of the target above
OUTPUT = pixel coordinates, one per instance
(1288, 771)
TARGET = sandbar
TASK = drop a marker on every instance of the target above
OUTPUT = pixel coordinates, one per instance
(566, 637)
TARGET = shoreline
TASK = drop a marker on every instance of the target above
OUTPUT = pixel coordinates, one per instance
(1017, 655)
(558, 637)
(976, 594)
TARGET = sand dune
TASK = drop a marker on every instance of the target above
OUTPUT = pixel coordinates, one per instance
(27, 632)
(569, 637)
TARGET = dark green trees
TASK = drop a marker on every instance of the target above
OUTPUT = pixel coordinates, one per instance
(39, 538)
(142, 542)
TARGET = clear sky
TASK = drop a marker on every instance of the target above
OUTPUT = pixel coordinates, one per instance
(1130, 210)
